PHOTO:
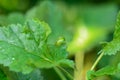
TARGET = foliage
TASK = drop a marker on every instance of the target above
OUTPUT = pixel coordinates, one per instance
(45, 11)
(2, 75)
(30, 49)
(26, 45)
(111, 48)
(114, 46)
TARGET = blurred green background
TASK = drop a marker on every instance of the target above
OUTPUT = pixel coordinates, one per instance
(85, 24)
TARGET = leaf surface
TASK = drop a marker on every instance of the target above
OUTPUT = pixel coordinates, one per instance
(114, 46)
(108, 70)
(24, 47)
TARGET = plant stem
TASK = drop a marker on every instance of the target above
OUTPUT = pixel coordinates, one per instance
(68, 74)
(60, 73)
(79, 61)
(96, 62)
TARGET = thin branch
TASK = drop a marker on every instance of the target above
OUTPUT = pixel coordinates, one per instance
(96, 62)
(59, 73)
(67, 73)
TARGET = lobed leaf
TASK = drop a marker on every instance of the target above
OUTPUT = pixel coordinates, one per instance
(108, 70)
(114, 46)
(24, 47)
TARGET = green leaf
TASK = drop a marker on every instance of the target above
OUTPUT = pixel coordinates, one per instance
(114, 46)
(15, 18)
(24, 48)
(12, 18)
(2, 75)
(57, 55)
(93, 15)
(34, 75)
(90, 75)
(45, 11)
(108, 70)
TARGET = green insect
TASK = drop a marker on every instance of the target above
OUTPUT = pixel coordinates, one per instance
(60, 41)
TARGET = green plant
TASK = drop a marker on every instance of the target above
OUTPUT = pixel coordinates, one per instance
(30, 49)
(24, 48)
(110, 48)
